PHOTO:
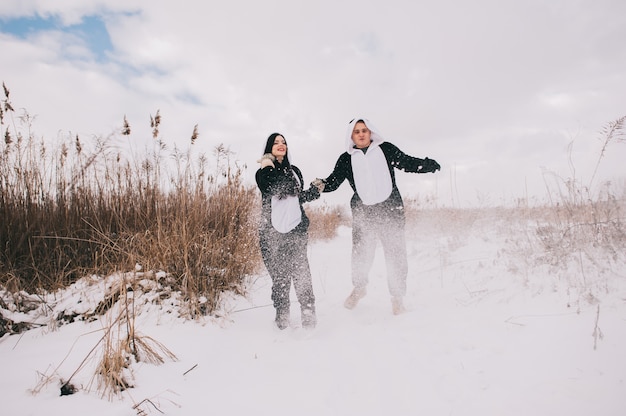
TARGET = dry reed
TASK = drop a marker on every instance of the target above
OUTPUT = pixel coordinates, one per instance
(82, 207)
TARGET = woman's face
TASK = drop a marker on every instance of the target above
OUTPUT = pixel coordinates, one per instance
(279, 148)
(361, 135)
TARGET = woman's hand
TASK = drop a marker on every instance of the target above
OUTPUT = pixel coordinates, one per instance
(267, 160)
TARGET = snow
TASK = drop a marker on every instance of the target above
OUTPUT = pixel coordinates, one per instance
(488, 331)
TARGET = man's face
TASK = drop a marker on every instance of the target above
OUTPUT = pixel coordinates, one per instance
(361, 135)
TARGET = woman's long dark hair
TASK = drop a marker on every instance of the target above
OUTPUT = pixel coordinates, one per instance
(270, 143)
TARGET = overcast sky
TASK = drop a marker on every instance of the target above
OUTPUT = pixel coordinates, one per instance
(495, 90)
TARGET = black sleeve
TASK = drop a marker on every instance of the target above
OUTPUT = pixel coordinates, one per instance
(400, 160)
(310, 194)
(340, 173)
(265, 177)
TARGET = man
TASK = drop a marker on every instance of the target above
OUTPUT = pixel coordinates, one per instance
(369, 165)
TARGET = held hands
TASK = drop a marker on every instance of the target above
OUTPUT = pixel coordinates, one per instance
(267, 160)
(429, 165)
(319, 184)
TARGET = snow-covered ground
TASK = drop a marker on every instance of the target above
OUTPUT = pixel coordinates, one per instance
(487, 332)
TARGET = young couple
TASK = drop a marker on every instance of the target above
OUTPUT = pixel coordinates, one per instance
(369, 165)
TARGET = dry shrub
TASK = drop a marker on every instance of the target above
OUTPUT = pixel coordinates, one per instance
(583, 219)
(122, 345)
(324, 221)
(422, 222)
(87, 208)
(570, 230)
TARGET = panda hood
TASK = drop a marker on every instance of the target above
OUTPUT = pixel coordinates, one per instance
(372, 178)
(377, 139)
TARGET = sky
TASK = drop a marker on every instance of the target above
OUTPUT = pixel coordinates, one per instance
(491, 328)
(509, 97)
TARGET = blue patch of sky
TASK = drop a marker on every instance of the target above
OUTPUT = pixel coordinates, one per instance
(91, 30)
(189, 97)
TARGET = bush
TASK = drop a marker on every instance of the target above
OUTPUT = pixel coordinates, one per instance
(76, 209)
(324, 221)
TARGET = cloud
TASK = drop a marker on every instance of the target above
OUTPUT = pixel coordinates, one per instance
(494, 90)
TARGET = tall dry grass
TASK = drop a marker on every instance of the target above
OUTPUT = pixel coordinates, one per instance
(325, 220)
(585, 217)
(85, 207)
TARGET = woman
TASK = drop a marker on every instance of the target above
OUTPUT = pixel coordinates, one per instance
(283, 229)
(377, 208)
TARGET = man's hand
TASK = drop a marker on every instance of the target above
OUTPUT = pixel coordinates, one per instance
(319, 184)
(429, 165)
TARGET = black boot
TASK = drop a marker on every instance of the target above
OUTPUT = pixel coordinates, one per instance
(282, 318)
